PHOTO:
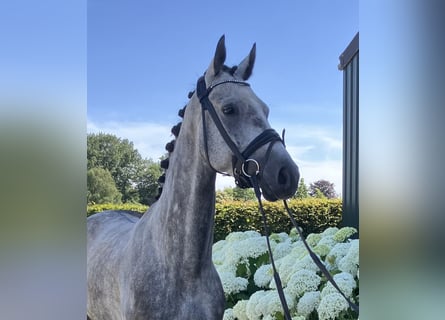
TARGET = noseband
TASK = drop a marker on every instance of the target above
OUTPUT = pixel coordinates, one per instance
(243, 166)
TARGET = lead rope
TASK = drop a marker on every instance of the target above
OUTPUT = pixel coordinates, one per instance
(317, 261)
(314, 257)
(276, 277)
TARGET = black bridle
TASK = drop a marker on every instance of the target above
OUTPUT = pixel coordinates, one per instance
(243, 166)
(246, 176)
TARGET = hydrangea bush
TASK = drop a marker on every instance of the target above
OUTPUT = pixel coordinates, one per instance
(242, 262)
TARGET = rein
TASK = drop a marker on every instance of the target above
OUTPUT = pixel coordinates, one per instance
(246, 170)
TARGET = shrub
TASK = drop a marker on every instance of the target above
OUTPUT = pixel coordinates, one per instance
(95, 208)
(242, 263)
(313, 215)
(101, 187)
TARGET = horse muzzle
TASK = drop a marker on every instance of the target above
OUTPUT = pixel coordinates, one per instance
(279, 175)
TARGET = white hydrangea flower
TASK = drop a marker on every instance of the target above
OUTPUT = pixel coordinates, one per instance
(226, 267)
(297, 271)
(329, 231)
(274, 303)
(279, 237)
(302, 281)
(322, 250)
(293, 234)
(326, 244)
(282, 249)
(344, 233)
(327, 241)
(219, 251)
(285, 264)
(235, 252)
(345, 282)
(345, 277)
(270, 304)
(228, 315)
(239, 310)
(313, 239)
(350, 262)
(232, 284)
(220, 245)
(232, 255)
(218, 257)
(252, 234)
(251, 306)
(262, 307)
(251, 247)
(285, 269)
(337, 253)
(263, 276)
(331, 305)
(306, 263)
(308, 302)
(299, 250)
(290, 264)
(239, 235)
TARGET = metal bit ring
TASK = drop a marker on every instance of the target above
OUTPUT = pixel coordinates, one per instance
(257, 167)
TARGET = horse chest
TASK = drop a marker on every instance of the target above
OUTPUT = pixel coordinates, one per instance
(172, 297)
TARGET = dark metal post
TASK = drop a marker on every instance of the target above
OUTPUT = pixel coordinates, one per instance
(349, 64)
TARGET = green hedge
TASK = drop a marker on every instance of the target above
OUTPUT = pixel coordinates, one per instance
(313, 215)
(94, 208)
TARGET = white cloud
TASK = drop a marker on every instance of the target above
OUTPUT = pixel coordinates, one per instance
(148, 138)
(317, 151)
(326, 170)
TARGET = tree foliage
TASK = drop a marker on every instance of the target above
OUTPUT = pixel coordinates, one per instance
(321, 188)
(101, 187)
(235, 194)
(134, 177)
(302, 191)
(148, 182)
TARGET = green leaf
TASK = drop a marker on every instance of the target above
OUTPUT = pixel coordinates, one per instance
(242, 270)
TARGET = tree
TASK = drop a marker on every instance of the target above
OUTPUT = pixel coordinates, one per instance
(318, 194)
(324, 188)
(120, 158)
(101, 187)
(148, 182)
(235, 194)
(302, 191)
(243, 194)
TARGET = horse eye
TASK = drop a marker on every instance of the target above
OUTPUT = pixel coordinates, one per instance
(229, 109)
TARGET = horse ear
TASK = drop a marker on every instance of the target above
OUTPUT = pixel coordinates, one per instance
(245, 68)
(218, 60)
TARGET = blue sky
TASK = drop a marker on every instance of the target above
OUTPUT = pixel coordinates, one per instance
(145, 56)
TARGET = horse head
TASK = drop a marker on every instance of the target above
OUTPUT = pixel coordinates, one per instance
(234, 131)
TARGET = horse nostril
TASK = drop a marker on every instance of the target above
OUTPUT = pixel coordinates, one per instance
(282, 176)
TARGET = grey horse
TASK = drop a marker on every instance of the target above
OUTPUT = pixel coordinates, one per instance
(159, 265)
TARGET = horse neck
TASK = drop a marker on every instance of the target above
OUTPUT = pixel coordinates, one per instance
(187, 205)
